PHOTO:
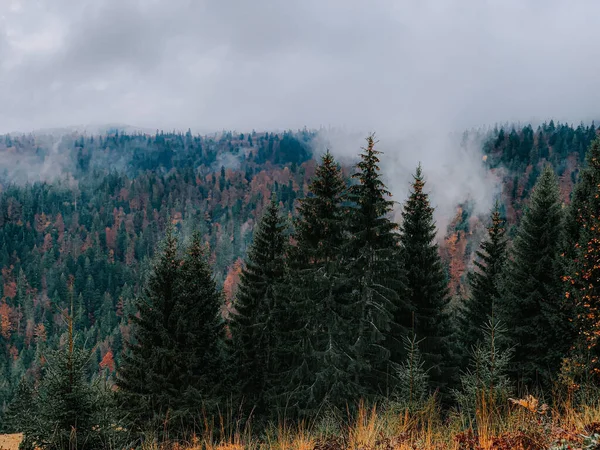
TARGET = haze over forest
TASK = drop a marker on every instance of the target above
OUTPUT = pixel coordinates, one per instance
(411, 71)
(385, 66)
(297, 212)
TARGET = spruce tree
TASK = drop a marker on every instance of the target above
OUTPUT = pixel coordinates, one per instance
(20, 411)
(171, 373)
(582, 198)
(198, 331)
(372, 262)
(532, 302)
(318, 343)
(486, 383)
(426, 284)
(484, 283)
(581, 267)
(412, 389)
(259, 315)
(66, 410)
(145, 370)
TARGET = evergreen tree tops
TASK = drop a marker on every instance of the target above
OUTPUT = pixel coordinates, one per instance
(426, 284)
(484, 283)
(320, 317)
(319, 229)
(370, 217)
(259, 320)
(584, 202)
(532, 302)
(173, 365)
(372, 262)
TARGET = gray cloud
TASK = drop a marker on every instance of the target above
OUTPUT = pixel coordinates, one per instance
(453, 167)
(381, 65)
(410, 70)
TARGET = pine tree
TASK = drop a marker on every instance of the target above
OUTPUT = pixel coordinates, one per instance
(426, 284)
(65, 407)
(172, 371)
(583, 196)
(532, 306)
(412, 388)
(198, 331)
(20, 412)
(484, 284)
(372, 263)
(320, 319)
(259, 311)
(144, 372)
(486, 384)
(582, 262)
(67, 411)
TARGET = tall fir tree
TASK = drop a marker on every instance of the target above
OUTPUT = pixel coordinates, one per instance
(198, 331)
(581, 269)
(426, 285)
(532, 304)
(484, 283)
(259, 319)
(173, 367)
(372, 262)
(319, 370)
(144, 371)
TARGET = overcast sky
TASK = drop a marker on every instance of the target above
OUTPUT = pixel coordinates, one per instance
(226, 64)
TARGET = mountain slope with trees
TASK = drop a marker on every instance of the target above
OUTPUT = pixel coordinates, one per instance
(88, 238)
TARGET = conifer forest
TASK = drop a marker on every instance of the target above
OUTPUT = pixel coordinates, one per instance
(289, 300)
(299, 225)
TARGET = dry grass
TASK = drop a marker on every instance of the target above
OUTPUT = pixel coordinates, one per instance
(10, 441)
(522, 424)
(519, 425)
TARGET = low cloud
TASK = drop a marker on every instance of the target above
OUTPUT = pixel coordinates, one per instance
(411, 71)
(453, 167)
(241, 65)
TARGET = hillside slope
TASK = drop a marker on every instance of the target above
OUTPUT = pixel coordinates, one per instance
(88, 211)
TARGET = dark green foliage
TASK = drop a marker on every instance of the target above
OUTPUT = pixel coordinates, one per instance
(145, 369)
(198, 330)
(173, 366)
(581, 247)
(583, 200)
(486, 383)
(101, 222)
(67, 411)
(319, 369)
(532, 305)
(260, 313)
(20, 410)
(426, 284)
(373, 265)
(484, 283)
(65, 403)
(412, 389)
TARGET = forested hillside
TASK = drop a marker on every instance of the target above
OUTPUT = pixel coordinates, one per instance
(100, 214)
(81, 218)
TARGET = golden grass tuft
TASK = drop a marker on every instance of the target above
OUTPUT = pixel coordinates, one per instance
(520, 424)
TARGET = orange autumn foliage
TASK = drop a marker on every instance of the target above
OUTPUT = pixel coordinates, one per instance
(5, 323)
(231, 284)
(10, 285)
(108, 361)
